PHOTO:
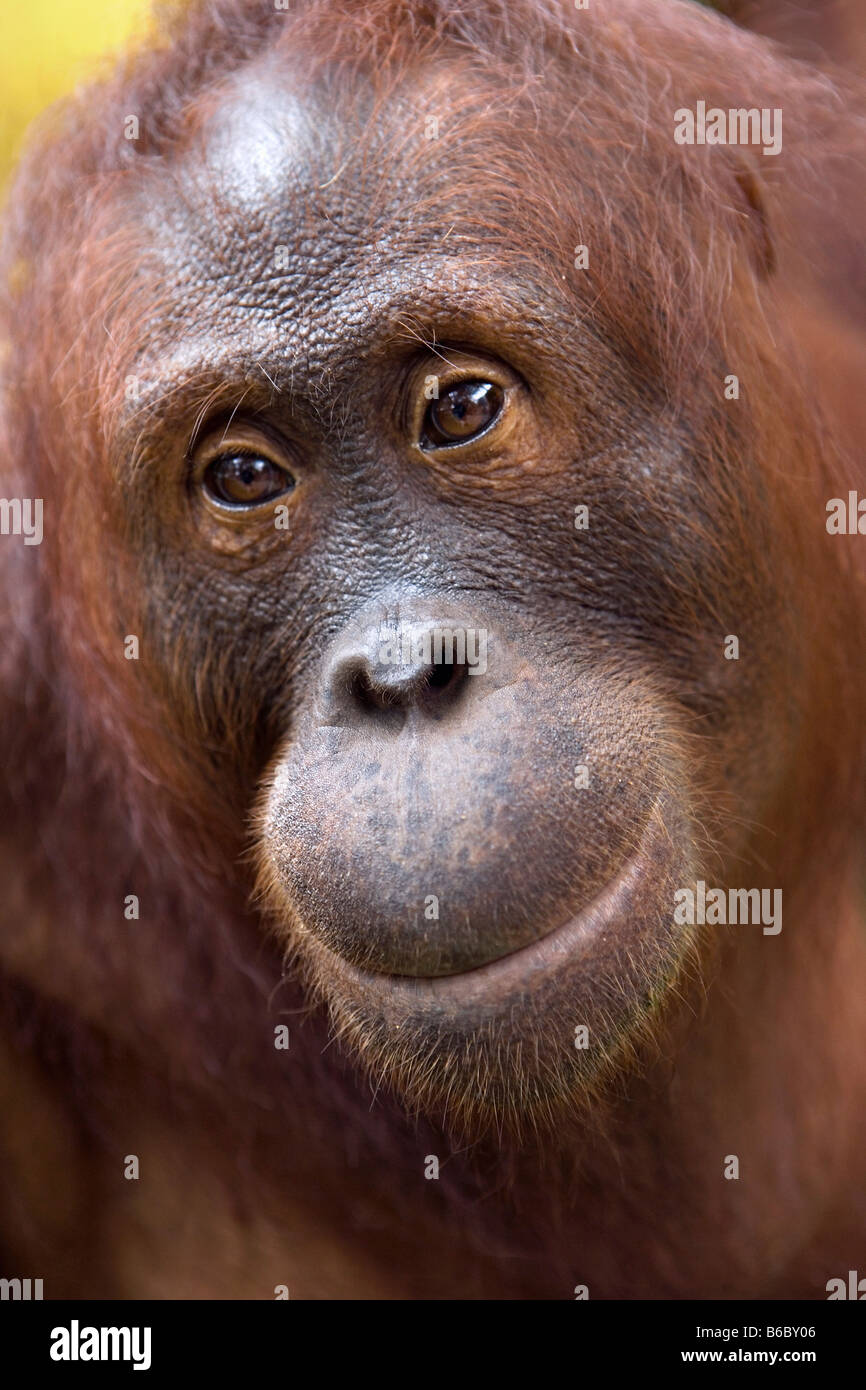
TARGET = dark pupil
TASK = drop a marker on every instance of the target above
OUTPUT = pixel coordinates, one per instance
(465, 410)
(245, 478)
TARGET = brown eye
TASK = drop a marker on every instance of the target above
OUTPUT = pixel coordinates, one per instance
(245, 480)
(462, 412)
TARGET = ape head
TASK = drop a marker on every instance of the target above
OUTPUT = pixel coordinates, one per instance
(379, 370)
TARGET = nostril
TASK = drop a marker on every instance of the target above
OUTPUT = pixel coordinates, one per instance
(381, 689)
(372, 695)
(387, 674)
(447, 676)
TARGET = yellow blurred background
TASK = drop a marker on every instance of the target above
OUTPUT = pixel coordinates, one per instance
(46, 48)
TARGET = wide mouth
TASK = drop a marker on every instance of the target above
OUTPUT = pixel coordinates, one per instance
(638, 898)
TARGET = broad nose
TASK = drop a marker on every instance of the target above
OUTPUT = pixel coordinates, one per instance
(384, 674)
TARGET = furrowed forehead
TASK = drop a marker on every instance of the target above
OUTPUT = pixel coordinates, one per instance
(288, 226)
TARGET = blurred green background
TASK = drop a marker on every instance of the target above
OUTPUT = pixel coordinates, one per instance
(47, 47)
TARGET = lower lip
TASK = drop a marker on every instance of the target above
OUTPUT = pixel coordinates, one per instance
(607, 926)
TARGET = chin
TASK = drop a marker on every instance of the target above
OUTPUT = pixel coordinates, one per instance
(534, 1035)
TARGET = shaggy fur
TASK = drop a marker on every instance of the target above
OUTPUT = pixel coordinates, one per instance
(155, 1036)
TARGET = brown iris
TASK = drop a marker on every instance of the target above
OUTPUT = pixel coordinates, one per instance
(462, 412)
(245, 480)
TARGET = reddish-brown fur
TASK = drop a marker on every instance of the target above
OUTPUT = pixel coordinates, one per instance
(260, 1167)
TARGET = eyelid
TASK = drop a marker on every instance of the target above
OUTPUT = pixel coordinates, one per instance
(243, 448)
(478, 371)
(246, 451)
(470, 365)
(234, 439)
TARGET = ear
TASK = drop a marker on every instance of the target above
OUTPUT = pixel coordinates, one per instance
(754, 208)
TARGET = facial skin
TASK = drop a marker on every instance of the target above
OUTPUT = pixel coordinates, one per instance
(424, 851)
